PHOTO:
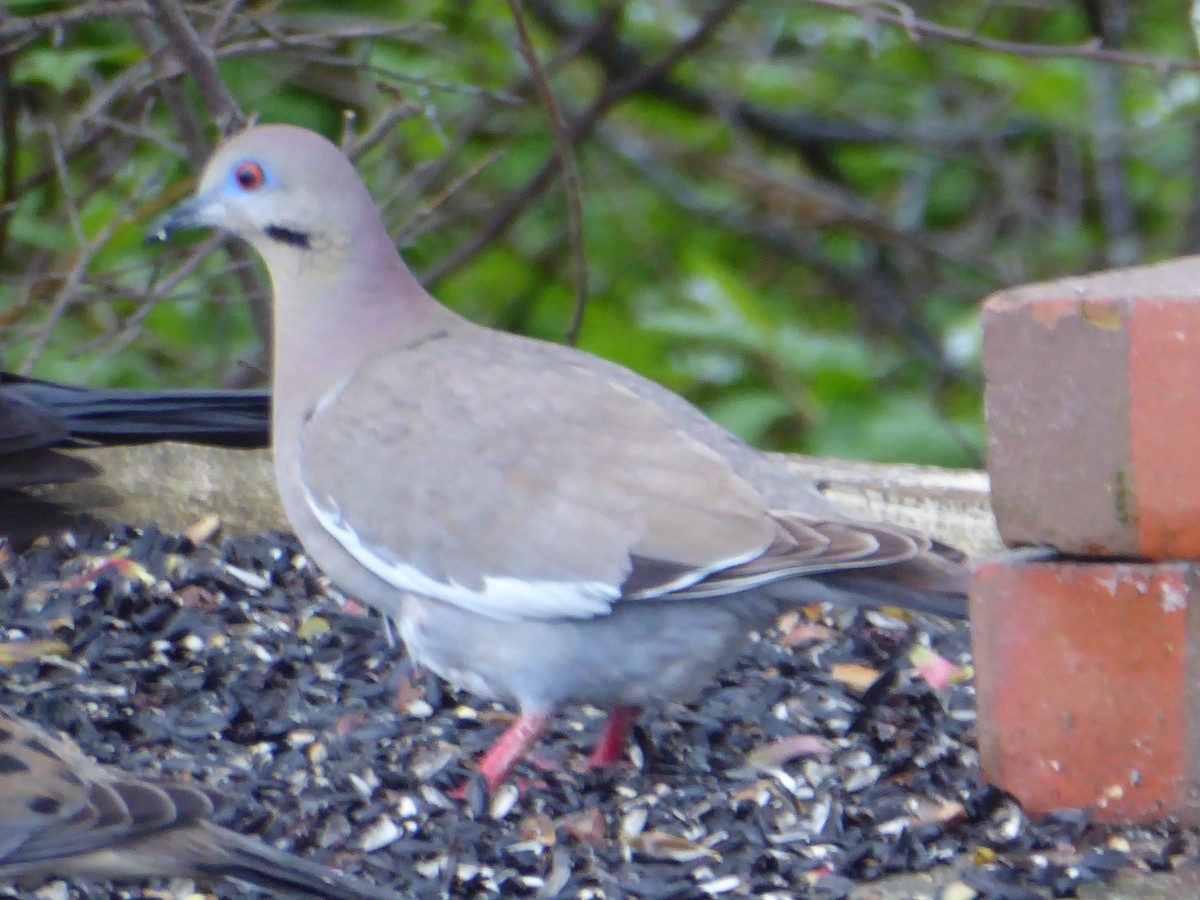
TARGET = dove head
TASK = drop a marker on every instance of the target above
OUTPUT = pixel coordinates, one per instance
(292, 195)
(339, 285)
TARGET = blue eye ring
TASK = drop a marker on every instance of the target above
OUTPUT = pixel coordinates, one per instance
(249, 176)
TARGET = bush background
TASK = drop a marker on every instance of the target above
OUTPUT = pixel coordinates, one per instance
(790, 210)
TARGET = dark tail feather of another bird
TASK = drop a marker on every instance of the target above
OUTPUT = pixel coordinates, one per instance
(56, 415)
(38, 418)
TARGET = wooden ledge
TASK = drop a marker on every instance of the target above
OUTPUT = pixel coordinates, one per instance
(174, 485)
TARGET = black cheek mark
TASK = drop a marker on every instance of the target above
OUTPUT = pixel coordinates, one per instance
(288, 236)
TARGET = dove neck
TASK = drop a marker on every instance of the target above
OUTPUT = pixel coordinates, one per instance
(326, 322)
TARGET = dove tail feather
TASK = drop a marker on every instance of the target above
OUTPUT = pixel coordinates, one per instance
(859, 589)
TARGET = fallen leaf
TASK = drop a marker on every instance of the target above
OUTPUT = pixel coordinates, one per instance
(312, 627)
(203, 528)
(193, 596)
(588, 827)
(773, 755)
(854, 676)
(14, 652)
(934, 668)
(983, 856)
(408, 691)
(118, 562)
(663, 845)
(539, 828)
(930, 813)
(806, 632)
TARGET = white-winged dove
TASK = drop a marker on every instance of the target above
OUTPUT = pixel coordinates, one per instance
(545, 526)
(62, 815)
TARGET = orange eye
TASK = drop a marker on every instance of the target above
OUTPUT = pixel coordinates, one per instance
(249, 176)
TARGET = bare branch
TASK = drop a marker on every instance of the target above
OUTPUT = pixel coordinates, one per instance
(9, 111)
(918, 28)
(415, 223)
(580, 129)
(186, 121)
(23, 26)
(199, 61)
(570, 171)
(395, 113)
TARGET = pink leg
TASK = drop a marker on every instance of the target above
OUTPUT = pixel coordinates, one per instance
(510, 748)
(614, 737)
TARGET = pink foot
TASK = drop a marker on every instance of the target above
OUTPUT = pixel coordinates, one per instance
(611, 746)
(510, 748)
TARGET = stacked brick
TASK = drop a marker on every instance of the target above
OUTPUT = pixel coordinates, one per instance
(1088, 668)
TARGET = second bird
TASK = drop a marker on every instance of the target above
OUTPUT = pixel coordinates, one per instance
(545, 527)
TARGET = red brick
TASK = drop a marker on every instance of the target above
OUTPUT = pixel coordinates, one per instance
(1093, 409)
(1087, 688)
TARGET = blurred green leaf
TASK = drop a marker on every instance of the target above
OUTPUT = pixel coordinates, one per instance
(750, 414)
(799, 323)
(57, 69)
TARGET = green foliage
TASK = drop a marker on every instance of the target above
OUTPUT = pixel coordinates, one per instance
(793, 228)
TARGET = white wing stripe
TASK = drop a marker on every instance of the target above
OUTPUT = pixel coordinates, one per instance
(502, 597)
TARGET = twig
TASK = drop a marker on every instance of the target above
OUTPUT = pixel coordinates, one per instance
(199, 61)
(253, 48)
(171, 91)
(87, 251)
(60, 166)
(580, 129)
(21, 26)
(221, 21)
(414, 223)
(1123, 247)
(132, 329)
(9, 113)
(570, 171)
(918, 28)
(884, 299)
(806, 134)
(395, 113)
